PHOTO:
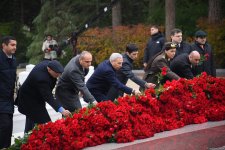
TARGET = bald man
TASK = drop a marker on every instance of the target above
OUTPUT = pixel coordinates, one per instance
(71, 82)
(182, 64)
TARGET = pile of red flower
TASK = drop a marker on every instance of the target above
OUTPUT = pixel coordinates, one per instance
(178, 104)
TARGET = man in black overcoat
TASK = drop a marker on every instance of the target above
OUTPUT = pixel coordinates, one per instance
(37, 90)
(204, 48)
(7, 85)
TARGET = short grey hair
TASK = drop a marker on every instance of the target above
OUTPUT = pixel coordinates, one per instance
(84, 53)
(114, 56)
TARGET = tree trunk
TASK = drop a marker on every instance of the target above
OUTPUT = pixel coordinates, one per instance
(214, 14)
(22, 12)
(116, 14)
(170, 17)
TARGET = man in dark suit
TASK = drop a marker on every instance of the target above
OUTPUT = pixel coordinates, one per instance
(182, 46)
(72, 82)
(204, 48)
(125, 72)
(182, 65)
(7, 85)
(36, 90)
(104, 77)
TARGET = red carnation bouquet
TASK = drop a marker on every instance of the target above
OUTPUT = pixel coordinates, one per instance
(203, 58)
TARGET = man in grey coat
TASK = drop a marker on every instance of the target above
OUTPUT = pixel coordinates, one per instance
(72, 82)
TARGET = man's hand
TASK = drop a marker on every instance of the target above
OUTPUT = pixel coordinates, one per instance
(94, 102)
(144, 64)
(149, 85)
(136, 92)
(66, 113)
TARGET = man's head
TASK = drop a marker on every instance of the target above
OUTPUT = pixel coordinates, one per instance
(200, 37)
(85, 59)
(154, 29)
(176, 36)
(194, 57)
(132, 51)
(55, 69)
(116, 60)
(9, 45)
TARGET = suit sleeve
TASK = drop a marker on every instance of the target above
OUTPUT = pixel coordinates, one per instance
(46, 94)
(127, 71)
(111, 77)
(78, 81)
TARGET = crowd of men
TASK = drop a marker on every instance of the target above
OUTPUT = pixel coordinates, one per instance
(108, 81)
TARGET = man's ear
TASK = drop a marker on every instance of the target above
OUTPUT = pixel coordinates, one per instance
(49, 69)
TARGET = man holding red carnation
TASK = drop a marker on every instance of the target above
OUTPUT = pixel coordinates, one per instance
(201, 45)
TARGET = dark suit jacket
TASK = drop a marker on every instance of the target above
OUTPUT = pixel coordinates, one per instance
(71, 82)
(183, 48)
(181, 65)
(35, 91)
(102, 79)
(123, 75)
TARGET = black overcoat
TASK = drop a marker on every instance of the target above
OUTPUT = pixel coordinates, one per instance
(35, 91)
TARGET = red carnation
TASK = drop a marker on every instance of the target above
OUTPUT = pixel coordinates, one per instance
(164, 71)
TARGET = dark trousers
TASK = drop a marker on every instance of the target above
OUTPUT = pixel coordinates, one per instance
(6, 127)
(29, 125)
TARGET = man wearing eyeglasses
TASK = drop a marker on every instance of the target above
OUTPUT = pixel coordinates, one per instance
(206, 63)
(72, 81)
(182, 46)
